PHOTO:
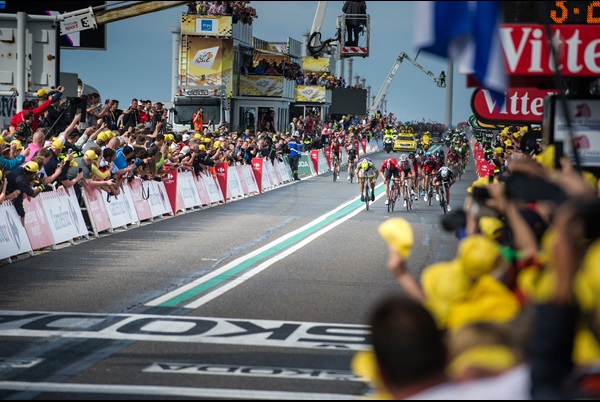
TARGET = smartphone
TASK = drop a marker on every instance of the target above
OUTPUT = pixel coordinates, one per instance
(80, 170)
(559, 150)
(520, 186)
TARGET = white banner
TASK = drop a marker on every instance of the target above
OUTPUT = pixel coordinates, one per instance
(186, 186)
(214, 191)
(323, 165)
(61, 216)
(13, 237)
(120, 212)
(158, 200)
(234, 187)
(202, 190)
(250, 179)
(80, 224)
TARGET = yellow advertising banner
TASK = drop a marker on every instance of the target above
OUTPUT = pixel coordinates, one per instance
(261, 85)
(206, 62)
(321, 64)
(310, 93)
(203, 25)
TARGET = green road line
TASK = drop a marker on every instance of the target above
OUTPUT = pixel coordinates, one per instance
(203, 287)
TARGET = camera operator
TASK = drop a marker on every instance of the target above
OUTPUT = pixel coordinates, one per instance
(131, 116)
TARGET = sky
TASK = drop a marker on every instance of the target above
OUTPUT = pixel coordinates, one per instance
(137, 62)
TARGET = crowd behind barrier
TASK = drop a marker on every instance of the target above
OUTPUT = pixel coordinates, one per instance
(56, 217)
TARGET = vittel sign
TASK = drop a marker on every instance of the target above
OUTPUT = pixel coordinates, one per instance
(526, 51)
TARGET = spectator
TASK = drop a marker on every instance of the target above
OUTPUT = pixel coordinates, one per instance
(272, 69)
(22, 179)
(214, 8)
(37, 143)
(83, 171)
(6, 151)
(354, 23)
(4, 185)
(202, 8)
(131, 116)
(37, 111)
(198, 120)
(191, 5)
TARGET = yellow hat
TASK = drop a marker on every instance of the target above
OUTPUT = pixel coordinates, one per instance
(590, 179)
(508, 143)
(32, 167)
(517, 134)
(198, 136)
(41, 93)
(546, 157)
(481, 182)
(478, 256)
(398, 233)
(18, 144)
(490, 227)
(57, 144)
(91, 155)
(216, 145)
(201, 147)
(207, 140)
(499, 151)
(102, 137)
(2, 141)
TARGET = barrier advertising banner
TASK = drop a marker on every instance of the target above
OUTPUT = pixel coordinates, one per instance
(214, 191)
(36, 224)
(202, 191)
(139, 193)
(186, 187)
(222, 170)
(248, 175)
(61, 216)
(13, 237)
(257, 169)
(172, 191)
(158, 200)
(96, 210)
(314, 157)
(121, 212)
(310, 93)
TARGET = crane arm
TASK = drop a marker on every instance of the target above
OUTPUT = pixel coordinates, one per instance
(378, 102)
(319, 17)
(386, 84)
(133, 10)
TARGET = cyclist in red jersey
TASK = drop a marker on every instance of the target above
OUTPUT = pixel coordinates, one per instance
(389, 169)
(336, 152)
(430, 168)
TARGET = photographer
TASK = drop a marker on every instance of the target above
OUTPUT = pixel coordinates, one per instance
(131, 116)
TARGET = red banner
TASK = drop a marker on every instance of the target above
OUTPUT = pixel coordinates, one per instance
(222, 169)
(257, 169)
(521, 106)
(175, 199)
(364, 144)
(314, 156)
(327, 152)
(36, 226)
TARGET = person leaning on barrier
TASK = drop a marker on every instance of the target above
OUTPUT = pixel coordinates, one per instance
(22, 180)
(3, 187)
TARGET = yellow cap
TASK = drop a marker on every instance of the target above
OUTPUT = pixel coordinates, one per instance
(18, 144)
(481, 182)
(201, 147)
(546, 157)
(41, 93)
(32, 167)
(498, 151)
(217, 144)
(198, 136)
(508, 143)
(57, 144)
(91, 155)
(490, 227)
(102, 137)
(398, 233)
(2, 141)
(478, 256)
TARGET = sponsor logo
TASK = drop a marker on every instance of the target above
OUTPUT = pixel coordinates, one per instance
(13, 230)
(582, 142)
(205, 58)
(583, 111)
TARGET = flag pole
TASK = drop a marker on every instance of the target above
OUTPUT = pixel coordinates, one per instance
(449, 91)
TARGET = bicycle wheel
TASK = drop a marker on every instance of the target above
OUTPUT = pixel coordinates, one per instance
(334, 170)
(352, 172)
(367, 195)
(430, 192)
(443, 202)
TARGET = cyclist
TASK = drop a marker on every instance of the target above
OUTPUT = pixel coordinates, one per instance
(336, 152)
(426, 141)
(444, 174)
(454, 159)
(418, 172)
(464, 152)
(352, 157)
(430, 168)
(407, 170)
(389, 170)
(366, 168)
(441, 158)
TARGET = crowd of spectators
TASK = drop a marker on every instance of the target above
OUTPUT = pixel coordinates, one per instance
(239, 10)
(514, 315)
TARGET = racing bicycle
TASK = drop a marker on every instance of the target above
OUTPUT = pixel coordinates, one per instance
(407, 193)
(335, 166)
(443, 201)
(394, 194)
(367, 192)
(351, 167)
